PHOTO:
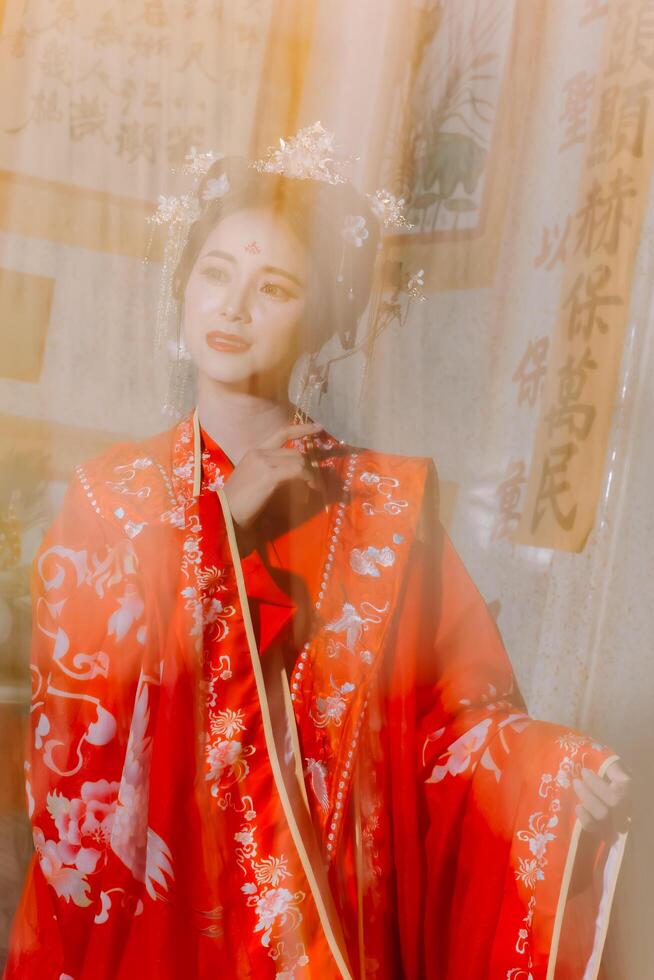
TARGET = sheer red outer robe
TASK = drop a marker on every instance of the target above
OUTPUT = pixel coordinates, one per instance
(309, 761)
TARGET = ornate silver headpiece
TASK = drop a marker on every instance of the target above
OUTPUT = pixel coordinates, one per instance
(309, 155)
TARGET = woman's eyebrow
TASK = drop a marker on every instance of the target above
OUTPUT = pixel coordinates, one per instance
(275, 270)
(282, 272)
(220, 255)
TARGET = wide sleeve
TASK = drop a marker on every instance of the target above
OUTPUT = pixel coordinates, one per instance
(487, 836)
(88, 634)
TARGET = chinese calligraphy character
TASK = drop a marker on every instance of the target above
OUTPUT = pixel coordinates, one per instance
(593, 10)
(570, 412)
(585, 313)
(578, 94)
(644, 35)
(54, 62)
(619, 42)
(154, 13)
(531, 371)
(509, 493)
(553, 246)
(148, 46)
(107, 32)
(550, 489)
(602, 217)
(87, 116)
(633, 118)
(46, 107)
(194, 57)
(135, 139)
(602, 135)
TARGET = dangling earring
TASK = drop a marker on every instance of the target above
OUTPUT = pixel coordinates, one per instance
(313, 381)
(180, 369)
(301, 400)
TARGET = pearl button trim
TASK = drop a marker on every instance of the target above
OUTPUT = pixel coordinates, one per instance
(324, 581)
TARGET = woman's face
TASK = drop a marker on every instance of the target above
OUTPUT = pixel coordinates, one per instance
(245, 297)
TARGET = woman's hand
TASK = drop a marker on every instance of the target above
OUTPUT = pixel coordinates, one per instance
(604, 802)
(262, 469)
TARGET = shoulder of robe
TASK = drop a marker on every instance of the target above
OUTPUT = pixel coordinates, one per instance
(416, 475)
(395, 463)
(133, 484)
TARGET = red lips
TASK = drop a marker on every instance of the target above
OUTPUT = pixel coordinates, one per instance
(218, 340)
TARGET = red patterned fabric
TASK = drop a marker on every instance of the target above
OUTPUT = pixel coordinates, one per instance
(441, 815)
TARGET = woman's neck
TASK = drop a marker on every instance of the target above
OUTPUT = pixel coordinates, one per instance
(238, 420)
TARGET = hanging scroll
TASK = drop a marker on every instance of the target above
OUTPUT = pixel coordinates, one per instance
(597, 244)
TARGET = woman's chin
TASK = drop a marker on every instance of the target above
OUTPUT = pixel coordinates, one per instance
(231, 368)
(230, 378)
(264, 381)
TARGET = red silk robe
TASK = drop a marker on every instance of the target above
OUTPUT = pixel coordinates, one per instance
(300, 756)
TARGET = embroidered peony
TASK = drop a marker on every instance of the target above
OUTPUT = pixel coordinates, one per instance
(226, 755)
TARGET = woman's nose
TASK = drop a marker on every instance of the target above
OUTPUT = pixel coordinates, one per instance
(236, 306)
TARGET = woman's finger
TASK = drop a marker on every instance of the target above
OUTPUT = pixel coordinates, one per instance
(597, 809)
(617, 774)
(282, 453)
(285, 468)
(609, 793)
(585, 818)
(286, 432)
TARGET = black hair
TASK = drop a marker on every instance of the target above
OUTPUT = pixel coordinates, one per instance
(340, 273)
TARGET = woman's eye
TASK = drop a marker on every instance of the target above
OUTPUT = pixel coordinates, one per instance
(218, 275)
(275, 291)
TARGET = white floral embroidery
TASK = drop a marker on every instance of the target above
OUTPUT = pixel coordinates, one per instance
(271, 870)
(330, 708)
(213, 478)
(353, 624)
(385, 486)
(539, 834)
(227, 722)
(364, 562)
(276, 907)
(131, 607)
(176, 516)
(460, 753)
(226, 763)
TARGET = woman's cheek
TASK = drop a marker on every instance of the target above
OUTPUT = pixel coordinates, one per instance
(200, 308)
(287, 324)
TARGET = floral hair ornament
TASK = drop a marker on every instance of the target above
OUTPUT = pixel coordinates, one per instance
(354, 230)
(389, 209)
(178, 212)
(309, 155)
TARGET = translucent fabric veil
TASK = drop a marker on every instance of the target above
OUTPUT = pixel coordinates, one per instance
(492, 414)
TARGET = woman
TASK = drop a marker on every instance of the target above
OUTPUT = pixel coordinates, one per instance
(275, 732)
